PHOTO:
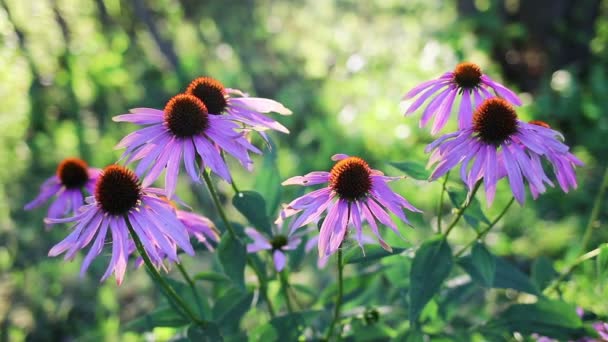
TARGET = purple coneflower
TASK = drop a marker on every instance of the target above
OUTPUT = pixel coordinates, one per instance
(355, 194)
(181, 132)
(74, 179)
(498, 145)
(244, 109)
(277, 244)
(466, 80)
(120, 197)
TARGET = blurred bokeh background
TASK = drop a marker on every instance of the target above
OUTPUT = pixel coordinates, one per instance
(341, 66)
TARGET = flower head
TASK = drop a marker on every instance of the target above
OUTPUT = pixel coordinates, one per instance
(180, 133)
(119, 201)
(499, 145)
(277, 244)
(244, 109)
(355, 194)
(466, 81)
(73, 179)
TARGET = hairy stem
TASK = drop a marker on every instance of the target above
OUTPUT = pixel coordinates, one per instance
(285, 290)
(463, 207)
(190, 282)
(595, 211)
(440, 205)
(233, 234)
(167, 289)
(336, 318)
(482, 233)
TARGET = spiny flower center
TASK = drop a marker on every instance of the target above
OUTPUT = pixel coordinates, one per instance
(351, 178)
(539, 123)
(118, 190)
(495, 120)
(211, 92)
(185, 116)
(278, 242)
(467, 75)
(73, 173)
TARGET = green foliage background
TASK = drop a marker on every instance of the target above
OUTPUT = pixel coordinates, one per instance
(68, 66)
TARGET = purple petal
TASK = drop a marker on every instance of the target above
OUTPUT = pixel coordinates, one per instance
(279, 260)
(45, 194)
(465, 114)
(312, 178)
(261, 105)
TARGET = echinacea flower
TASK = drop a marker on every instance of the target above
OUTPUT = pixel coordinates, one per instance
(73, 180)
(498, 144)
(355, 194)
(466, 81)
(247, 110)
(119, 201)
(277, 244)
(176, 135)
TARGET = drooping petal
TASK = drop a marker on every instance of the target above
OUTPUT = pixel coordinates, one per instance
(279, 260)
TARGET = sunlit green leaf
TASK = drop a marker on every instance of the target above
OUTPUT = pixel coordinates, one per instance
(551, 318)
(161, 317)
(431, 266)
(543, 272)
(252, 205)
(485, 264)
(413, 169)
(233, 257)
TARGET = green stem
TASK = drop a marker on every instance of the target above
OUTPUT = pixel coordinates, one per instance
(440, 205)
(190, 282)
(285, 289)
(338, 298)
(167, 289)
(218, 206)
(595, 211)
(462, 208)
(263, 287)
(568, 271)
(232, 232)
(482, 233)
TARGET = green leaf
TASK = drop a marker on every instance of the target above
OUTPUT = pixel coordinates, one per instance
(252, 205)
(543, 272)
(602, 263)
(550, 318)
(485, 264)
(231, 306)
(233, 257)
(161, 317)
(413, 169)
(213, 277)
(506, 275)
(289, 327)
(473, 215)
(372, 252)
(210, 333)
(430, 267)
